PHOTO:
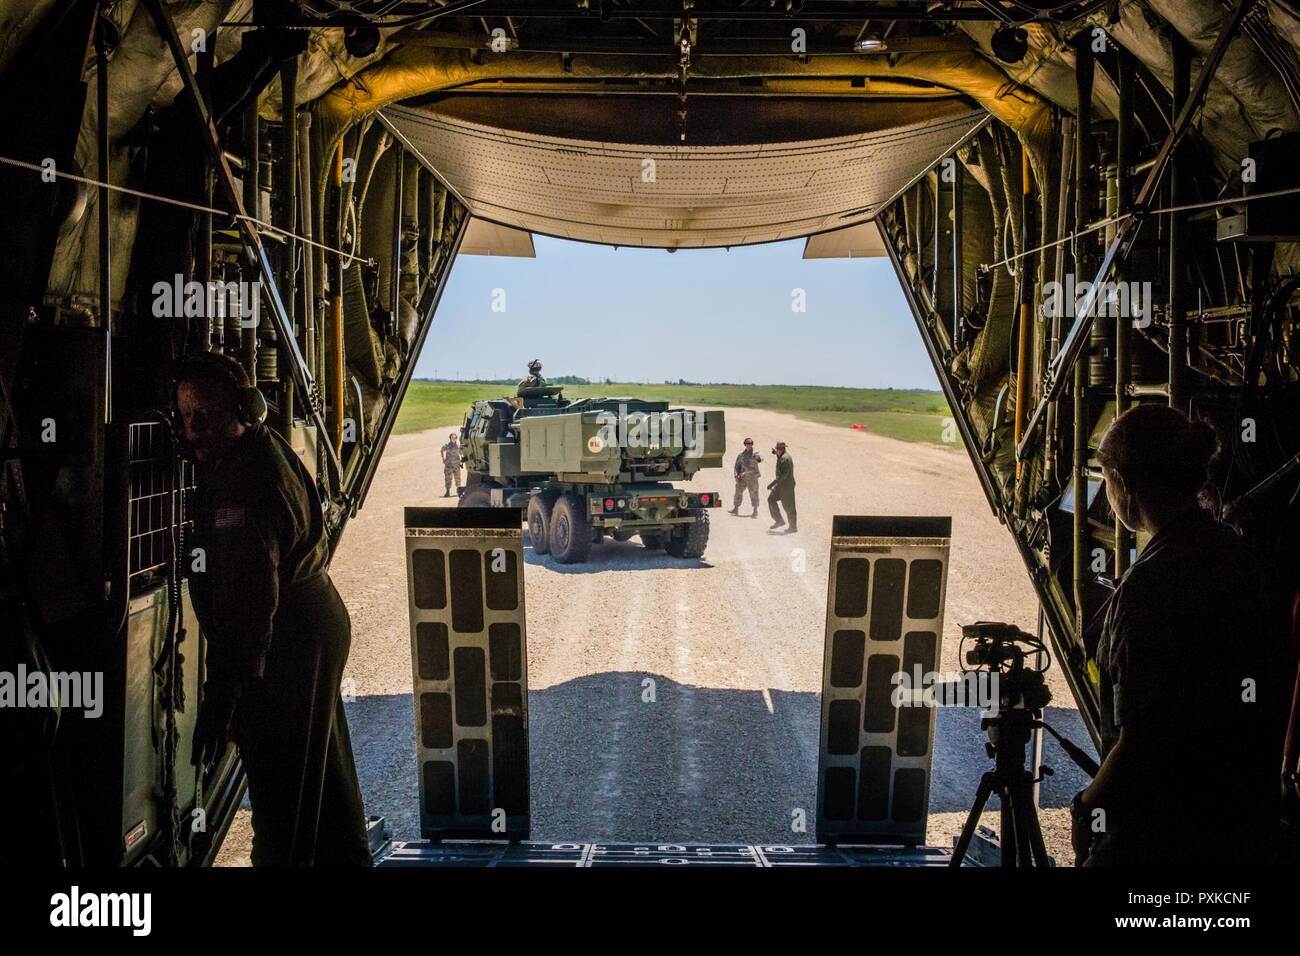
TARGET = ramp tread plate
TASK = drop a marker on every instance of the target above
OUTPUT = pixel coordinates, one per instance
(535, 853)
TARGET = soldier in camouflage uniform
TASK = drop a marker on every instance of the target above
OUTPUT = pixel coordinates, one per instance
(747, 478)
(781, 490)
(451, 462)
(534, 379)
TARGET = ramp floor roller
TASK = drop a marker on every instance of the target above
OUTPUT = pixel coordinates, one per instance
(466, 593)
(884, 627)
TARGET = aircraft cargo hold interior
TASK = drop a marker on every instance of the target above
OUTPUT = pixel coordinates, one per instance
(1090, 207)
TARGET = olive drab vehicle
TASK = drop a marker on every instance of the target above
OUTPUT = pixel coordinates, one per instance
(593, 468)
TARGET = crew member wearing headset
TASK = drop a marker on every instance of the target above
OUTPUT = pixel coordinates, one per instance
(277, 632)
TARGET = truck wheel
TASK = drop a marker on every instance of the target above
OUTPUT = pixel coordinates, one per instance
(653, 540)
(691, 541)
(539, 523)
(477, 496)
(570, 531)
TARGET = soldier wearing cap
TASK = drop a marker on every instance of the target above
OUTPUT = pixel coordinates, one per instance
(781, 491)
(747, 478)
(451, 462)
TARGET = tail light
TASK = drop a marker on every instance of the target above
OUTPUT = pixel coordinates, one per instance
(609, 504)
(705, 499)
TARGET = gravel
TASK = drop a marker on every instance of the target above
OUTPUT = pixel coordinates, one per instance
(678, 701)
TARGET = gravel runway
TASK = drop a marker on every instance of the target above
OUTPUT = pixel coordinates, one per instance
(678, 701)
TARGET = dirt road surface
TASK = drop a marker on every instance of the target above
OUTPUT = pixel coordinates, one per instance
(730, 645)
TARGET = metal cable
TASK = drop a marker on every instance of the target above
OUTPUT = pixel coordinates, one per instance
(1167, 210)
(265, 227)
(417, 19)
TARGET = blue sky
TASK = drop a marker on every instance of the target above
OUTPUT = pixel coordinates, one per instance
(710, 315)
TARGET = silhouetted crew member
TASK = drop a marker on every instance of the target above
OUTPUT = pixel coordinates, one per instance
(277, 632)
(534, 379)
(781, 490)
(451, 462)
(747, 478)
(1189, 661)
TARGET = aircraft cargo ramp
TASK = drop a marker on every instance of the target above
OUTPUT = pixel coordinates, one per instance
(583, 855)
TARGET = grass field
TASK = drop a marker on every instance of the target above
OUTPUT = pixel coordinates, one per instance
(917, 416)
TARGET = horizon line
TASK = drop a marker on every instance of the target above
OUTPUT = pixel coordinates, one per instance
(590, 382)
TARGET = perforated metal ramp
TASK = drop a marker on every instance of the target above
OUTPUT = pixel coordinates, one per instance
(727, 856)
(884, 619)
(469, 658)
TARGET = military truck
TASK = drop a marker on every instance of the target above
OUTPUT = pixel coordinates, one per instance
(590, 468)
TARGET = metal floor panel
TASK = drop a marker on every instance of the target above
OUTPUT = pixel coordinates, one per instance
(532, 853)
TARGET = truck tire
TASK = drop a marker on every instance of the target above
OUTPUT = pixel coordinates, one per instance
(570, 531)
(689, 541)
(653, 540)
(539, 522)
(475, 496)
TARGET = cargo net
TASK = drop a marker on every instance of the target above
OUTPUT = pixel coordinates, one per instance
(154, 502)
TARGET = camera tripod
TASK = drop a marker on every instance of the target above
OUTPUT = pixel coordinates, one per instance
(1021, 835)
(1022, 695)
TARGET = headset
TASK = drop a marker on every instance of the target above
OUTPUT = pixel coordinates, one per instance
(250, 403)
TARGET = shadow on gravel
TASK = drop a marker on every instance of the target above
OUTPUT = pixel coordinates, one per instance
(631, 756)
(614, 556)
(960, 760)
(695, 764)
(383, 744)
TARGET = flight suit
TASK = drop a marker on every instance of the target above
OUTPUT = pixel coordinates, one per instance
(747, 479)
(451, 462)
(782, 492)
(1188, 629)
(277, 641)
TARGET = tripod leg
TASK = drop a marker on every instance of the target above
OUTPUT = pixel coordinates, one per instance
(1036, 844)
(1029, 831)
(1012, 838)
(972, 819)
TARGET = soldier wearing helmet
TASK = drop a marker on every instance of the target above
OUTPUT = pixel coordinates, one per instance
(534, 379)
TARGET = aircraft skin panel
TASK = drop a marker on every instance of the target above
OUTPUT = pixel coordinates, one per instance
(854, 242)
(484, 238)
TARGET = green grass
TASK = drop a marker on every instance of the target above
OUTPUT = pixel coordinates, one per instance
(912, 415)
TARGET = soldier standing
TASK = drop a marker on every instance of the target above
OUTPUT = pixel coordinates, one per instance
(781, 490)
(747, 478)
(451, 462)
(277, 632)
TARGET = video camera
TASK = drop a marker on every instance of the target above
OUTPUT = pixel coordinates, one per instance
(1002, 649)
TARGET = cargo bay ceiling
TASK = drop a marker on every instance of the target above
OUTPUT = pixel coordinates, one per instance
(642, 75)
